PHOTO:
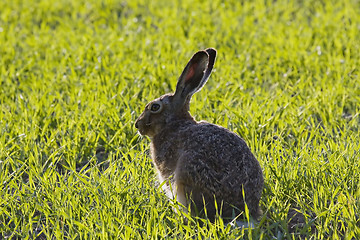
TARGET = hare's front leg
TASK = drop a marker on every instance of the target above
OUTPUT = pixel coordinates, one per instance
(179, 193)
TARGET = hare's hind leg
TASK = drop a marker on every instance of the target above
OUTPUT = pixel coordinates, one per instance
(201, 203)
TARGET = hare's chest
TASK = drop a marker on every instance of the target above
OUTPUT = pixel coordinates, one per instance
(164, 159)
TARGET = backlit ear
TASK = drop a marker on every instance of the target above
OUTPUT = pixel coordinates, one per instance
(194, 76)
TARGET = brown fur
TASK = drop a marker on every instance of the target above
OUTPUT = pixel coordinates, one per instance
(202, 161)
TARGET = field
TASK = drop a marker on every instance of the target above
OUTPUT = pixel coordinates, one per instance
(74, 76)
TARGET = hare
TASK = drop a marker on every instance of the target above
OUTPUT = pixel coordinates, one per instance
(204, 165)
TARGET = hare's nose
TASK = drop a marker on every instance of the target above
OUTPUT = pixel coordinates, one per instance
(136, 124)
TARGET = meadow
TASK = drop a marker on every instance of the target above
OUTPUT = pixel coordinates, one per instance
(74, 76)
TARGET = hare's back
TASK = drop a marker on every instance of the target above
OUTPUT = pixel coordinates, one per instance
(216, 146)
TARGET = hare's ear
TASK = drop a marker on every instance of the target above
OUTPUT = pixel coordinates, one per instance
(195, 75)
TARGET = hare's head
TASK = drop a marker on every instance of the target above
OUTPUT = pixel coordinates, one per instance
(172, 107)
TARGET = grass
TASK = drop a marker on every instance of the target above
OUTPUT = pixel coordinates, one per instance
(75, 75)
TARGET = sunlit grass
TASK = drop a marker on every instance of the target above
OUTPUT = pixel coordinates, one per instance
(74, 75)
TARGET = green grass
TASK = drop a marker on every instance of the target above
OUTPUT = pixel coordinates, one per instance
(74, 76)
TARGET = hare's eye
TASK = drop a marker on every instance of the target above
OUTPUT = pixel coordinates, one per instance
(155, 107)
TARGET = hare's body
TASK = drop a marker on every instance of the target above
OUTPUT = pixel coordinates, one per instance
(202, 163)
(221, 168)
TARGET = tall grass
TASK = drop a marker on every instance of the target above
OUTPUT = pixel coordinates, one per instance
(74, 76)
